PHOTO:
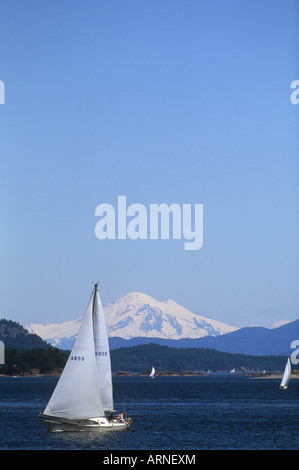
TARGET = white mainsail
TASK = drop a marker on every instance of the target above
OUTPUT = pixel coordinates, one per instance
(77, 393)
(286, 375)
(102, 354)
(152, 374)
(84, 390)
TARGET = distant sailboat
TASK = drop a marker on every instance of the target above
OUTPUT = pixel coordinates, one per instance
(233, 371)
(286, 375)
(84, 392)
(152, 374)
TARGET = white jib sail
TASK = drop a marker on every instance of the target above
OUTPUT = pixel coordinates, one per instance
(152, 374)
(102, 353)
(286, 375)
(77, 395)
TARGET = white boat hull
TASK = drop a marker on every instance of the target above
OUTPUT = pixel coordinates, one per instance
(101, 424)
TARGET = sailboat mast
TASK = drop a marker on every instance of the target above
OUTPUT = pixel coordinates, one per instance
(102, 353)
(94, 297)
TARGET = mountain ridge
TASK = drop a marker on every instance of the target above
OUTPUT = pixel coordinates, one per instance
(139, 319)
(15, 335)
(257, 341)
(138, 315)
(137, 312)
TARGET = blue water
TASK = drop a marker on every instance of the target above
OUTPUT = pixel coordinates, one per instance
(169, 413)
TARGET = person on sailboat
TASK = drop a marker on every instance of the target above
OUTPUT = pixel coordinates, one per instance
(120, 417)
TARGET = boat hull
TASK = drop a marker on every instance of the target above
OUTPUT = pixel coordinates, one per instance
(56, 424)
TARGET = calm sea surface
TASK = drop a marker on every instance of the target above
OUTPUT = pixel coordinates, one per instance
(169, 413)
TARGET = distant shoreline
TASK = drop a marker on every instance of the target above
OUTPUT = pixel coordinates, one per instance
(277, 376)
(253, 375)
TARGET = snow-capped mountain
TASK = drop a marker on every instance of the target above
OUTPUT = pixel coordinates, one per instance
(138, 315)
(60, 335)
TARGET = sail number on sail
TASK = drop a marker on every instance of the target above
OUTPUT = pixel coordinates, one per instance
(77, 358)
(101, 353)
(81, 358)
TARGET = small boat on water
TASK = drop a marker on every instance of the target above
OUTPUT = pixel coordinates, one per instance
(152, 374)
(83, 397)
(286, 376)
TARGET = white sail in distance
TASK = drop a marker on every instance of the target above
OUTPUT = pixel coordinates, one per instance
(286, 375)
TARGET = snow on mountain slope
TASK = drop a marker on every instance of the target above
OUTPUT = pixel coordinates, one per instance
(138, 315)
(57, 333)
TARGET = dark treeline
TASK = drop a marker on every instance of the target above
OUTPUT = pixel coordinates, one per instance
(140, 359)
(35, 360)
(27, 353)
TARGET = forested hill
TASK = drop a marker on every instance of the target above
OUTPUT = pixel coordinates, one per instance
(143, 357)
(139, 359)
(25, 353)
(14, 335)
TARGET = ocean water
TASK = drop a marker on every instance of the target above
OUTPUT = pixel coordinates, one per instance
(216, 412)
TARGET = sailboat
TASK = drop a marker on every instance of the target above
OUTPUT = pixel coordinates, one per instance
(286, 375)
(152, 374)
(233, 371)
(83, 397)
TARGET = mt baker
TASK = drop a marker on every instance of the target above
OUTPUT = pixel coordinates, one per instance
(137, 315)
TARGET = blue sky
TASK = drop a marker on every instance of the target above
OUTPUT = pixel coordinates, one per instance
(164, 102)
